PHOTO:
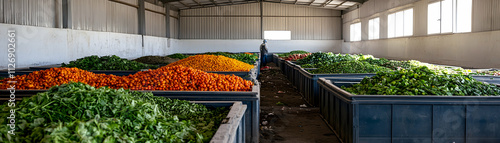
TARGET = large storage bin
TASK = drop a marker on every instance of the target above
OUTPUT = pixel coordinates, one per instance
(309, 85)
(411, 119)
(251, 99)
(232, 129)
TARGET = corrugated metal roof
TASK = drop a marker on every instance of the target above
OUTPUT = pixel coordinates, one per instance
(325, 4)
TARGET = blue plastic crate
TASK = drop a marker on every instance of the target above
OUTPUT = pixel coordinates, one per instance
(310, 87)
(398, 118)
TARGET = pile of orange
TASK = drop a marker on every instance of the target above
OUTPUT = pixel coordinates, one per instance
(165, 78)
(213, 63)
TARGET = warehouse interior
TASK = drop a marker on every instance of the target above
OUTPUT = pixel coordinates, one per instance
(103, 27)
(455, 33)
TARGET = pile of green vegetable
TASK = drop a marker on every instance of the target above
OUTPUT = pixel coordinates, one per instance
(178, 56)
(156, 60)
(349, 67)
(392, 64)
(319, 59)
(107, 63)
(77, 112)
(284, 55)
(421, 81)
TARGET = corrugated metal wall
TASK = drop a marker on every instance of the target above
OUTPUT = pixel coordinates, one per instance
(92, 15)
(224, 22)
(29, 12)
(481, 11)
(105, 15)
(89, 15)
(174, 24)
(122, 18)
(305, 23)
(485, 15)
(155, 22)
(495, 15)
(243, 22)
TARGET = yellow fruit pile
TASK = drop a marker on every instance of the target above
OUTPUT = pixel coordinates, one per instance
(213, 63)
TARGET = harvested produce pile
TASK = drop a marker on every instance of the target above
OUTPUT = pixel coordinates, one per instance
(421, 81)
(165, 78)
(248, 58)
(284, 55)
(177, 56)
(295, 57)
(318, 59)
(392, 64)
(490, 72)
(213, 63)
(107, 63)
(156, 60)
(77, 112)
(350, 67)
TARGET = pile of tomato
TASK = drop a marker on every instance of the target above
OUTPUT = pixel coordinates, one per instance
(213, 63)
(164, 78)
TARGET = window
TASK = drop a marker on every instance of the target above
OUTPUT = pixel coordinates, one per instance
(400, 24)
(447, 16)
(278, 35)
(356, 31)
(374, 28)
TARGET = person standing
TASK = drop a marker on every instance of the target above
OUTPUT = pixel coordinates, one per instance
(263, 54)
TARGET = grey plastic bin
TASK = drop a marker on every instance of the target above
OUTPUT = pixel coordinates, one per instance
(251, 99)
(412, 119)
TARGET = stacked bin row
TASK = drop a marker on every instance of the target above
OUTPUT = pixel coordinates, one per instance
(250, 99)
(248, 132)
(230, 131)
(397, 118)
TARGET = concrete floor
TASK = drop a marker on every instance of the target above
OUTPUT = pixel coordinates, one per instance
(282, 117)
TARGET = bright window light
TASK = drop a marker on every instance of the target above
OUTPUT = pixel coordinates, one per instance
(433, 18)
(391, 21)
(464, 16)
(447, 16)
(355, 31)
(278, 35)
(400, 24)
(374, 28)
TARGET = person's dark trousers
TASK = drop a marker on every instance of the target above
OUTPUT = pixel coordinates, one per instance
(263, 60)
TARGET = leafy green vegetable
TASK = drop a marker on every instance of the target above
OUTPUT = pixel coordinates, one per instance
(392, 64)
(284, 55)
(319, 59)
(349, 67)
(107, 63)
(77, 112)
(178, 56)
(421, 81)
